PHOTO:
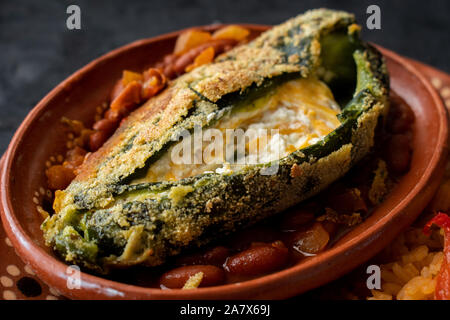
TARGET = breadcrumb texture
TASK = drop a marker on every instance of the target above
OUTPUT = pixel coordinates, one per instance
(100, 221)
(151, 127)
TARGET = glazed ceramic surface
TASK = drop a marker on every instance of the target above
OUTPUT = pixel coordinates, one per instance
(41, 138)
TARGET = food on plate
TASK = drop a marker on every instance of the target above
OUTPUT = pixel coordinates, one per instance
(135, 88)
(416, 264)
(311, 78)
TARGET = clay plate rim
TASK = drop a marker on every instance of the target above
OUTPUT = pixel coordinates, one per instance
(281, 284)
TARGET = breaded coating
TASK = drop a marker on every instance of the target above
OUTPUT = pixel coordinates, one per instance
(102, 221)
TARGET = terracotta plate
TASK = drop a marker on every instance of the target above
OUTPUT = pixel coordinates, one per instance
(41, 137)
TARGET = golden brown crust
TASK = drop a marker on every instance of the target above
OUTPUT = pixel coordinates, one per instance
(151, 127)
(103, 221)
(296, 171)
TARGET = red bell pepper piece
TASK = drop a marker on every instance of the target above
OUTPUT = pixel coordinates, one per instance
(442, 291)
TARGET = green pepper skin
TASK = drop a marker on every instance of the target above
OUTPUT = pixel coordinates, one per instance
(102, 222)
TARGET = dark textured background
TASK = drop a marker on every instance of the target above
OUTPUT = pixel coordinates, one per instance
(37, 51)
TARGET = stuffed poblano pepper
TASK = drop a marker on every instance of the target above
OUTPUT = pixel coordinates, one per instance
(310, 92)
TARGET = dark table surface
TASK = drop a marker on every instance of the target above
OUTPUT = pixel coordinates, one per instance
(37, 51)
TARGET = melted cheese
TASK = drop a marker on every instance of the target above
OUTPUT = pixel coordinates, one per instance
(293, 116)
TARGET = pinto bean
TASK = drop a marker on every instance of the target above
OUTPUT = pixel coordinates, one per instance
(215, 256)
(398, 153)
(187, 58)
(347, 202)
(169, 71)
(169, 59)
(113, 115)
(97, 139)
(176, 278)
(106, 125)
(259, 259)
(310, 241)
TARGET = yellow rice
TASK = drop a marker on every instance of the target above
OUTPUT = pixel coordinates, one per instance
(411, 274)
(415, 259)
